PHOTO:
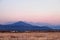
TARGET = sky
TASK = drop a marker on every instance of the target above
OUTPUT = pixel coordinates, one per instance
(47, 11)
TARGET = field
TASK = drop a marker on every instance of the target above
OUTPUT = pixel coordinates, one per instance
(30, 36)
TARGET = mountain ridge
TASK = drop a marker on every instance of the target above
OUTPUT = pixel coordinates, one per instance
(23, 26)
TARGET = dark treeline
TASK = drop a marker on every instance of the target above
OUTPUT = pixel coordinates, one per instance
(29, 31)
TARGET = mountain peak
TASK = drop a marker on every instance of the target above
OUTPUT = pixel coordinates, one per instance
(20, 22)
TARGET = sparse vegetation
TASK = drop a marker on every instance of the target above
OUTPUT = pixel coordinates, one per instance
(30, 36)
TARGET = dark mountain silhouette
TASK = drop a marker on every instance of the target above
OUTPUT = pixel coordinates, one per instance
(23, 26)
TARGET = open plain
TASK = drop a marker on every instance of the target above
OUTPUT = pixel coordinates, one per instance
(30, 36)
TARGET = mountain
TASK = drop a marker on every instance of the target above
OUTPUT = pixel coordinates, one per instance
(39, 23)
(57, 27)
(23, 26)
(46, 24)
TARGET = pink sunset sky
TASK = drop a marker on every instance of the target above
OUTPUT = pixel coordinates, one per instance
(47, 11)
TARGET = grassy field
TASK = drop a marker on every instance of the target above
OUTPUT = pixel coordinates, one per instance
(30, 36)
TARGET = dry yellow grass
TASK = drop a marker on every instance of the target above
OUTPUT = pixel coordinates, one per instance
(30, 36)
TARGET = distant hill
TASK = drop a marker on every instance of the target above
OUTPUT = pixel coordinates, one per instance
(23, 26)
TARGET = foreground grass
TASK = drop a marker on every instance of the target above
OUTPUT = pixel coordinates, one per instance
(30, 36)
